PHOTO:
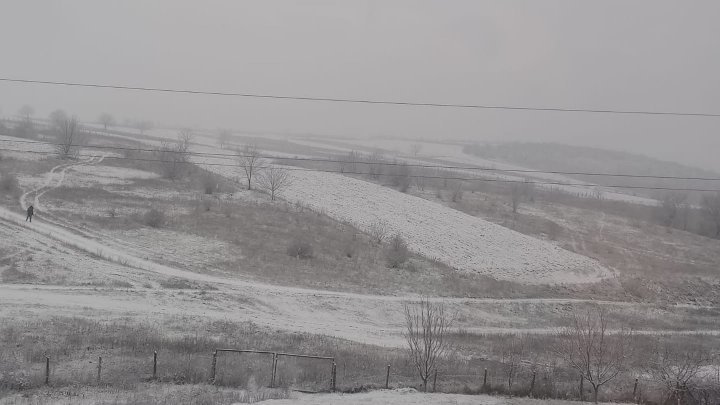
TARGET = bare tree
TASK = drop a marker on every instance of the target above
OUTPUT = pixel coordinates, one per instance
(57, 118)
(69, 141)
(588, 347)
(415, 149)
(711, 208)
(273, 180)
(251, 162)
(26, 112)
(223, 138)
(107, 120)
(678, 369)
(426, 328)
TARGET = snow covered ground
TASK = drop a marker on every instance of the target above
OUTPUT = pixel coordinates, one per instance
(34, 150)
(462, 241)
(459, 240)
(409, 396)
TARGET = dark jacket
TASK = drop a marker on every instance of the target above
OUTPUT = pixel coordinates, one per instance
(30, 210)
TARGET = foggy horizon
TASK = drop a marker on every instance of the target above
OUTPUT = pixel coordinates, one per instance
(645, 55)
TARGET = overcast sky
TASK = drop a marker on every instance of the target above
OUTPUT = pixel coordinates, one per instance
(639, 55)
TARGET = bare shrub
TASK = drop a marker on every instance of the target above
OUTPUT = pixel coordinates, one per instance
(457, 195)
(397, 252)
(678, 370)
(273, 180)
(514, 349)
(174, 155)
(300, 249)
(426, 328)
(378, 232)
(670, 208)
(154, 218)
(588, 347)
(208, 183)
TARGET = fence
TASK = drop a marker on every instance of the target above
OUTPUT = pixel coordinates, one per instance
(320, 373)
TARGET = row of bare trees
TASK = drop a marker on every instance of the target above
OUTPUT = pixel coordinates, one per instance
(587, 346)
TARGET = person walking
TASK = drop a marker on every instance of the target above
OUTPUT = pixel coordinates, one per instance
(30, 213)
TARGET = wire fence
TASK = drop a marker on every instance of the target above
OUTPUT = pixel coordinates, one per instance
(311, 373)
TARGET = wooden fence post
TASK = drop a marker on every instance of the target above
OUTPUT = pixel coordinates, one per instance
(532, 385)
(155, 365)
(635, 390)
(212, 368)
(333, 377)
(434, 380)
(582, 392)
(387, 377)
(272, 370)
(99, 368)
(47, 370)
(484, 386)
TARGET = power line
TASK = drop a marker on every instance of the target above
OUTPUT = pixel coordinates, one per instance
(496, 180)
(361, 101)
(233, 156)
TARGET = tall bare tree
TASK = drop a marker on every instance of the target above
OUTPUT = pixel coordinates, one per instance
(426, 327)
(711, 208)
(68, 136)
(107, 120)
(273, 180)
(588, 347)
(251, 162)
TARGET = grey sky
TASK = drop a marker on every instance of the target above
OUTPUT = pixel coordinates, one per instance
(640, 54)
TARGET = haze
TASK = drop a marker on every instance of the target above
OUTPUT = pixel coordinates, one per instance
(639, 55)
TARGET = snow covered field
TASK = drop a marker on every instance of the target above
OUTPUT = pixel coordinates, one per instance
(35, 151)
(459, 240)
(462, 241)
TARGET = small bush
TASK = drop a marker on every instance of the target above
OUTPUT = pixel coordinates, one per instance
(154, 218)
(8, 182)
(300, 249)
(397, 253)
